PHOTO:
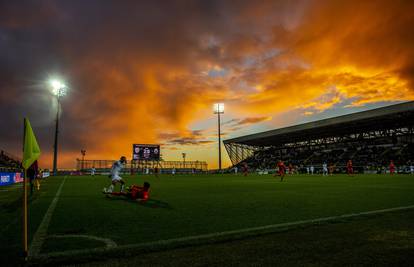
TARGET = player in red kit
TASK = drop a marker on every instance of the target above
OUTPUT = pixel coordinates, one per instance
(349, 168)
(134, 192)
(291, 169)
(281, 170)
(245, 169)
(392, 167)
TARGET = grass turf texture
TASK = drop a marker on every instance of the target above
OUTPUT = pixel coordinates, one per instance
(380, 240)
(192, 205)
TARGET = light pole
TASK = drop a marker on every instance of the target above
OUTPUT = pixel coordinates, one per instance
(59, 90)
(184, 154)
(83, 152)
(219, 109)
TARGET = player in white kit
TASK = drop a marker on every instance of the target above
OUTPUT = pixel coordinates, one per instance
(312, 169)
(116, 169)
(325, 169)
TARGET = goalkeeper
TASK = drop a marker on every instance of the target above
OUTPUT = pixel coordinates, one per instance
(134, 192)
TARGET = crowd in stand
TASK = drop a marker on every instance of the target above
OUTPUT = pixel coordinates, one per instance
(367, 158)
(7, 161)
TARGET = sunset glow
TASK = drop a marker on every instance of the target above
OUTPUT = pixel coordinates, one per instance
(150, 72)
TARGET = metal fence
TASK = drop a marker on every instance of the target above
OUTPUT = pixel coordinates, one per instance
(99, 165)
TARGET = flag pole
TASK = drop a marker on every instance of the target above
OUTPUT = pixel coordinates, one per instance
(25, 246)
(25, 237)
(31, 153)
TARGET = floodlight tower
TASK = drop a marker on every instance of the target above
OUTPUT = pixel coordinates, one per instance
(83, 152)
(59, 90)
(184, 154)
(219, 109)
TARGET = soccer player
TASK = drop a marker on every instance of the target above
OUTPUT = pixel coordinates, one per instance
(281, 170)
(116, 169)
(325, 169)
(235, 169)
(32, 173)
(93, 170)
(37, 179)
(312, 169)
(134, 192)
(331, 169)
(245, 169)
(307, 169)
(411, 169)
(392, 167)
(349, 168)
(173, 171)
(291, 169)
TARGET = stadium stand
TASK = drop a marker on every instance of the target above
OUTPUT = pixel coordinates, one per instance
(371, 139)
(8, 161)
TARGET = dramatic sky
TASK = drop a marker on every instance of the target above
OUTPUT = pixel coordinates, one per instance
(149, 71)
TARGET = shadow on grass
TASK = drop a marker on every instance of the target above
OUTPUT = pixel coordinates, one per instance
(17, 203)
(154, 203)
(150, 203)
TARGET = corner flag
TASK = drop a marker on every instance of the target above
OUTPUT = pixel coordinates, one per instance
(31, 153)
(31, 150)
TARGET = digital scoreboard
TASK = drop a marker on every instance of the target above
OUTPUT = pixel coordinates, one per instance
(145, 152)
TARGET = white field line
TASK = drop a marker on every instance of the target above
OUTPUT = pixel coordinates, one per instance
(108, 242)
(41, 233)
(206, 237)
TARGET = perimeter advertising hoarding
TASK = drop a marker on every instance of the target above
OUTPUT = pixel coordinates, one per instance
(8, 178)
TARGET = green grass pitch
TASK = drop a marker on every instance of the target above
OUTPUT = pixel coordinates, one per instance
(189, 205)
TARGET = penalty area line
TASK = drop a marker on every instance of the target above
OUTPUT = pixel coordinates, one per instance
(41, 232)
(133, 249)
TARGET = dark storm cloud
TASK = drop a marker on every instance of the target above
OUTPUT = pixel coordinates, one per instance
(108, 52)
(127, 65)
(196, 137)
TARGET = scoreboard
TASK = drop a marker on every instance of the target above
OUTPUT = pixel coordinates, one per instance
(145, 152)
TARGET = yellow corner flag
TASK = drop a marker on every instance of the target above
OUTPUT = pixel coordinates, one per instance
(31, 153)
(31, 150)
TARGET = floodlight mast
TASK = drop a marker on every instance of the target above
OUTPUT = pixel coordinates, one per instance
(83, 152)
(59, 90)
(184, 154)
(219, 109)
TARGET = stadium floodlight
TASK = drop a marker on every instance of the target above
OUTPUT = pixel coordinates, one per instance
(184, 154)
(58, 89)
(83, 152)
(219, 109)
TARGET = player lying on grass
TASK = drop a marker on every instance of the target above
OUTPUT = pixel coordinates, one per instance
(134, 192)
(116, 169)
